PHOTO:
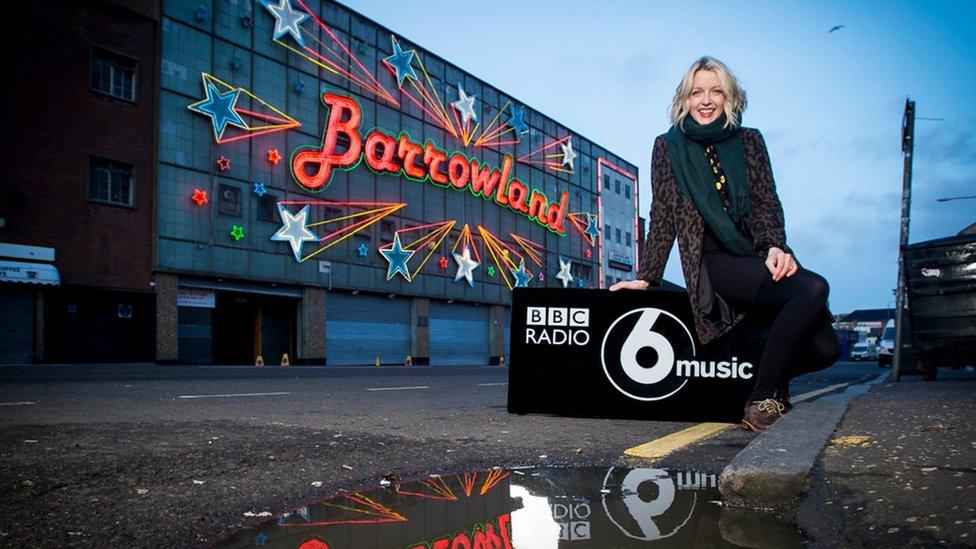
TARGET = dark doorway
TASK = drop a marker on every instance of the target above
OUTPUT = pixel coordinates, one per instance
(248, 325)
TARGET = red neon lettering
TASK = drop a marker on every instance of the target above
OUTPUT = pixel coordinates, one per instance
(517, 193)
(483, 181)
(461, 541)
(407, 152)
(457, 171)
(382, 162)
(503, 523)
(557, 213)
(500, 197)
(325, 159)
(433, 157)
(537, 206)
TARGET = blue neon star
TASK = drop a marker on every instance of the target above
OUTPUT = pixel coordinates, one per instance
(592, 228)
(363, 250)
(287, 20)
(220, 108)
(260, 189)
(401, 62)
(260, 539)
(517, 120)
(580, 283)
(398, 257)
(522, 277)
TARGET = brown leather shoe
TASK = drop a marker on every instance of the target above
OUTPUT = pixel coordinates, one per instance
(759, 415)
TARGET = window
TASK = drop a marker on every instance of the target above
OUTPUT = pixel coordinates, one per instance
(606, 230)
(268, 208)
(628, 238)
(617, 190)
(387, 228)
(229, 200)
(618, 236)
(627, 191)
(606, 182)
(110, 182)
(113, 74)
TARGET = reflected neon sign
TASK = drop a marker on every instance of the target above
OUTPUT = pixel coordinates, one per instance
(401, 155)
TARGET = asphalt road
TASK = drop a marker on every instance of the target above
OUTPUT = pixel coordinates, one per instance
(149, 455)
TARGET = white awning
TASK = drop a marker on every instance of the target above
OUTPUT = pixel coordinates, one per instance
(29, 273)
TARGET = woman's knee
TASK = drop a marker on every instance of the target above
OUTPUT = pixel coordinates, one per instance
(814, 287)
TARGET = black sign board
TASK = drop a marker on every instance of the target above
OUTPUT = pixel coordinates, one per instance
(627, 354)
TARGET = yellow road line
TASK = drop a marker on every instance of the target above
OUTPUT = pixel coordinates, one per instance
(663, 446)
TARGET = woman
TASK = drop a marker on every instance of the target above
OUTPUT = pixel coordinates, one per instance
(713, 188)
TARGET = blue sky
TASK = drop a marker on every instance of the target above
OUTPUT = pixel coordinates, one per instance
(829, 105)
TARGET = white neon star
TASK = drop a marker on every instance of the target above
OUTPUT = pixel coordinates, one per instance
(466, 266)
(465, 105)
(294, 230)
(287, 20)
(564, 275)
(568, 153)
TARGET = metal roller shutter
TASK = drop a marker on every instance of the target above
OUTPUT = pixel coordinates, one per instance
(16, 327)
(360, 328)
(459, 334)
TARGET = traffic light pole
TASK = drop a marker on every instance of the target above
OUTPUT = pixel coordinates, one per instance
(908, 148)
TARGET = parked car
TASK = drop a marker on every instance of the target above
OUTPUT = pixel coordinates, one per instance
(886, 345)
(864, 351)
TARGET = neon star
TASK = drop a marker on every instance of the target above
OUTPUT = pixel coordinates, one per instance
(443, 263)
(398, 256)
(260, 189)
(522, 277)
(401, 62)
(237, 232)
(465, 106)
(220, 108)
(491, 271)
(199, 196)
(294, 230)
(592, 227)
(588, 253)
(363, 250)
(466, 266)
(274, 156)
(580, 283)
(517, 120)
(564, 274)
(287, 20)
(541, 277)
(260, 539)
(568, 153)
(223, 163)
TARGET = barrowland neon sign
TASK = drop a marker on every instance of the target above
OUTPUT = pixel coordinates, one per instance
(400, 155)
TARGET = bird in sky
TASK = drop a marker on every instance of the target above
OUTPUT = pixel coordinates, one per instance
(835, 28)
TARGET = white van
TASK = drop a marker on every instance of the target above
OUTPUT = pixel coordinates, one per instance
(886, 345)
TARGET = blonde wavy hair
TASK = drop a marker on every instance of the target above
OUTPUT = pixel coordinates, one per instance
(735, 96)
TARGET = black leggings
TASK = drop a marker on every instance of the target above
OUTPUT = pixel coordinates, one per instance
(801, 339)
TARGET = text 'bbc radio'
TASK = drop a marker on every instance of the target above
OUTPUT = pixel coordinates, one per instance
(557, 326)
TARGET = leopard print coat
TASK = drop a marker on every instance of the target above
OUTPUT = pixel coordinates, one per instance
(674, 215)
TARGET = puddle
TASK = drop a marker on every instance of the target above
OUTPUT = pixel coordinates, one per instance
(533, 508)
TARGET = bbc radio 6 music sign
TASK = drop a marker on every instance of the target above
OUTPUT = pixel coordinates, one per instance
(623, 354)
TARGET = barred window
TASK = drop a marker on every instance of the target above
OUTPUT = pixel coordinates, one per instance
(113, 74)
(111, 182)
(268, 208)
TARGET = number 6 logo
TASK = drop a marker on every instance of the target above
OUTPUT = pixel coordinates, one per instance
(654, 333)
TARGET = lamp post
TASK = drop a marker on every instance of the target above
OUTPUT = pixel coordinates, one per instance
(907, 148)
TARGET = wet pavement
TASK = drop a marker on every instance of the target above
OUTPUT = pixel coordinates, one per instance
(526, 507)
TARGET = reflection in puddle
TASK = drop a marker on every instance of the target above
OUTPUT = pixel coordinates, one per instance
(527, 508)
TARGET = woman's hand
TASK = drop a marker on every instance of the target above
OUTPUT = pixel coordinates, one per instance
(780, 263)
(630, 285)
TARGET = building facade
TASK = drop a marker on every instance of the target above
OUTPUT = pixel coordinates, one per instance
(290, 180)
(76, 204)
